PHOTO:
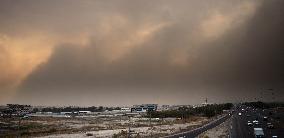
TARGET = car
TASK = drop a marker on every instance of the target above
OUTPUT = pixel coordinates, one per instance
(249, 123)
(269, 125)
(25, 117)
(248, 115)
(255, 122)
(240, 114)
(265, 118)
(274, 136)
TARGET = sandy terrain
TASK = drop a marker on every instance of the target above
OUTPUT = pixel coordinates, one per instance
(40, 126)
(157, 130)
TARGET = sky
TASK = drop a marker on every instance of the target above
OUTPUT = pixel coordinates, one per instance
(125, 52)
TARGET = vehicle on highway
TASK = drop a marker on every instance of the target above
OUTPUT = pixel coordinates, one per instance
(265, 118)
(249, 123)
(255, 122)
(258, 132)
(25, 116)
(269, 125)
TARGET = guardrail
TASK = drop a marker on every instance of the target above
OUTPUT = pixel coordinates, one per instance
(195, 132)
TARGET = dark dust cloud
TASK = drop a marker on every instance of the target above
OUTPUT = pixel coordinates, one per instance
(165, 52)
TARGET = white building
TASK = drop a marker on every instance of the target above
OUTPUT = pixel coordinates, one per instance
(125, 109)
(84, 112)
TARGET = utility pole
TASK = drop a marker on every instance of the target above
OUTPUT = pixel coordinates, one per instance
(19, 126)
(129, 127)
(150, 123)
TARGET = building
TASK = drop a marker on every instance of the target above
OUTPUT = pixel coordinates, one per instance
(205, 103)
(163, 107)
(144, 108)
(125, 109)
(19, 109)
(84, 112)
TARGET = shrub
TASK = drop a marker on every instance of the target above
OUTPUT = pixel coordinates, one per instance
(89, 134)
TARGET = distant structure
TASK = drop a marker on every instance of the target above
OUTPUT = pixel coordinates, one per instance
(20, 109)
(177, 107)
(206, 102)
(144, 107)
(125, 109)
(84, 112)
(163, 108)
(15, 110)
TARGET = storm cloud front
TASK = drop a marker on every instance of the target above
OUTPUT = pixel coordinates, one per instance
(128, 52)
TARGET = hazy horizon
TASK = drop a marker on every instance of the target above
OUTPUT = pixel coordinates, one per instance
(124, 52)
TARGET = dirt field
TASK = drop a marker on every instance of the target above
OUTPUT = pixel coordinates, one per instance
(94, 126)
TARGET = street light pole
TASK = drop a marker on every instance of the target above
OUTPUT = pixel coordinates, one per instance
(151, 123)
(129, 127)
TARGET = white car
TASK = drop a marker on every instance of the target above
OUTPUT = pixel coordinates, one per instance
(240, 114)
(265, 118)
(249, 123)
(255, 122)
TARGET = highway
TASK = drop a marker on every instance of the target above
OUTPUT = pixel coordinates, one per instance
(240, 128)
(195, 132)
(239, 123)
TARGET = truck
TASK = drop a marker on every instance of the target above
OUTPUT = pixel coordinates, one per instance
(258, 133)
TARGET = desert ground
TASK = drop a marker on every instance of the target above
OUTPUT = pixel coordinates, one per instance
(84, 126)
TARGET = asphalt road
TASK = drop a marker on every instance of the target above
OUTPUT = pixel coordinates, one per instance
(240, 129)
(195, 132)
